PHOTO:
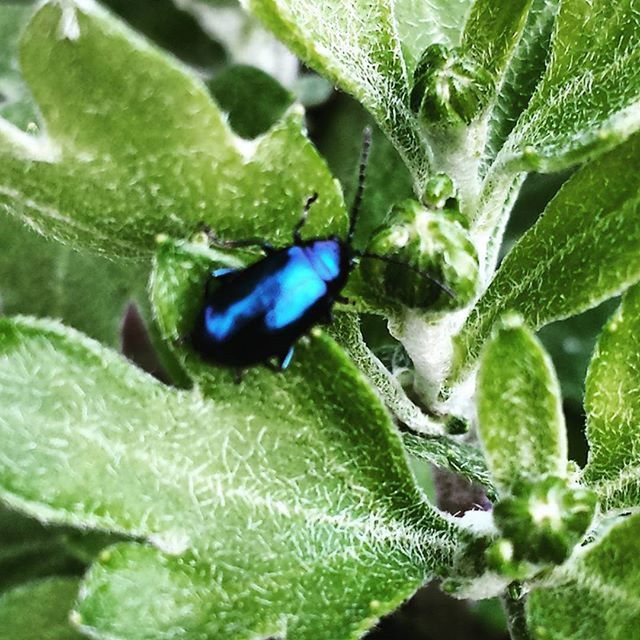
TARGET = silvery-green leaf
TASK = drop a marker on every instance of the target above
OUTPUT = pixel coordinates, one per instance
(594, 595)
(584, 249)
(354, 43)
(612, 403)
(280, 502)
(447, 453)
(423, 23)
(113, 178)
(589, 98)
(522, 74)
(520, 419)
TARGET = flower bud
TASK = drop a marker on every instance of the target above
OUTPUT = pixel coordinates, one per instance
(449, 87)
(423, 260)
(544, 522)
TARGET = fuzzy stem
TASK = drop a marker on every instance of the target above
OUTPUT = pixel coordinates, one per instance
(513, 602)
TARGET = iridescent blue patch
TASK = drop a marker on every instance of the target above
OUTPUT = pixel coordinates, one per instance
(282, 297)
(324, 255)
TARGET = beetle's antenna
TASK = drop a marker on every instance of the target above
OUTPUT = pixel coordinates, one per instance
(362, 174)
(424, 274)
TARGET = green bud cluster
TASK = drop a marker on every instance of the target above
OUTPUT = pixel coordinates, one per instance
(449, 87)
(428, 260)
(539, 525)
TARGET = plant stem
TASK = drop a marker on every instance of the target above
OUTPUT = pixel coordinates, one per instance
(513, 602)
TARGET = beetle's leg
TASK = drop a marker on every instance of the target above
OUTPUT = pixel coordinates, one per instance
(237, 244)
(285, 360)
(303, 218)
(343, 300)
(223, 271)
(237, 375)
(327, 318)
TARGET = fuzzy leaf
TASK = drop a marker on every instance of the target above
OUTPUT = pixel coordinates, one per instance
(285, 501)
(113, 179)
(447, 453)
(595, 594)
(423, 23)
(355, 44)
(522, 74)
(41, 277)
(584, 249)
(39, 610)
(589, 98)
(492, 32)
(612, 402)
(520, 420)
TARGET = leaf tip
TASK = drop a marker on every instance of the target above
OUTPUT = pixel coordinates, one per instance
(75, 619)
(510, 320)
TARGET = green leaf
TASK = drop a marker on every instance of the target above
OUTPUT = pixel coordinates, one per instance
(522, 74)
(588, 100)
(448, 453)
(612, 403)
(39, 610)
(113, 178)
(253, 100)
(45, 278)
(16, 104)
(520, 421)
(421, 24)
(584, 249)
(284, 500)
(595, 594)
(492, 32)
(355, 44)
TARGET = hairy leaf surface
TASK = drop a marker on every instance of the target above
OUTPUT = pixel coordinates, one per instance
(612, 402)
(520, 420)
(447, 453)
(112, 178)
(492, 32)
(594, 595)
(283, 503)
(423, 23)
(584, 249)
(522, 74)
(589, 98)
(355, 44)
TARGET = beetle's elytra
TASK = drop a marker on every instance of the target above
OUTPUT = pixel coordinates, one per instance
(252, 315)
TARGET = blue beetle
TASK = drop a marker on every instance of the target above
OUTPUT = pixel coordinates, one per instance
(257, 313)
